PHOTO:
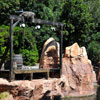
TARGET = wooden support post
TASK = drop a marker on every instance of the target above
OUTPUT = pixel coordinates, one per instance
(12, 25)
(11, 50)
(61, 50)
(31, 76)
(13, 76)
(48, 74)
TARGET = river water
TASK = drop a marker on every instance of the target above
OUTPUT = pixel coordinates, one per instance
(94, 97)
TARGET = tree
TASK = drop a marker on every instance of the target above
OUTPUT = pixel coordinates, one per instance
(94, 9)
(47, 10)
(23, 43)
(78, 22)
(4, 38)
(8, 7)
(94, 48)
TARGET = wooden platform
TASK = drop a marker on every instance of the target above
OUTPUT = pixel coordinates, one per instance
(6, 73)
(31, 72)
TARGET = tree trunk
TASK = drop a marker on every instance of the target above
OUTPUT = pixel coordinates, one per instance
(4, 56)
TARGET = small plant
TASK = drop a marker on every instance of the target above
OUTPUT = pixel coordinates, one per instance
(4, 95)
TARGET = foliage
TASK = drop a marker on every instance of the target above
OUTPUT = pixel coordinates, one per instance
(43, 34)
(6, 8)
(94, 44)
(4, 34)
(23, 43)
(4, 95)
(94, 9)
(81, 19)
(48, 10)
(4, 38)
(94, 48)
(78, 22)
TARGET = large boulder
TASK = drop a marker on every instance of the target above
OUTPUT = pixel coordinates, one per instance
(78, 70)
(50, 54)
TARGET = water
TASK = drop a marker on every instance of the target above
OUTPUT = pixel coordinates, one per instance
(94, 97)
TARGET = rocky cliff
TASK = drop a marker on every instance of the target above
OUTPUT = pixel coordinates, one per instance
(76, 80)
(78, 70)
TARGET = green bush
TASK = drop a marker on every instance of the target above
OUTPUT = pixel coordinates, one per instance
(4, 40)
(4, 95)
(94, 48)
(24, 43)
(30, 57)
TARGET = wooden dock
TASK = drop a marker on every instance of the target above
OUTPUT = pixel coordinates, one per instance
(31, 72)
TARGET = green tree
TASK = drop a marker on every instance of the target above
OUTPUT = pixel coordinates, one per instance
(47, 10)
(4, 38)
(8, 7)
(94, 44)
(78, 22)
(94, 9)
(24, 43)
(94, 48)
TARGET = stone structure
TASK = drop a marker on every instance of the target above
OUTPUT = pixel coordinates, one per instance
(50, 54)
(78, 70)
(76, 80)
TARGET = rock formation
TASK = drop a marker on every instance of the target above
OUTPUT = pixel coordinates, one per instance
(76, 80)
(78, 70)
(50, 54)
(33, 90)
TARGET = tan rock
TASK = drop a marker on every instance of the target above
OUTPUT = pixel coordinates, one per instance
(3, 81)
(47, 42)
(94, 77)
(75, 50)
(78, 74)
(83, 52)
(50, 54)
(78, 70)
(10, 98)
(68, 51)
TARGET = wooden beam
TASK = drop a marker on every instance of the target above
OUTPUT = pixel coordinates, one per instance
(40, 21)
(31, 71)
(14, 17)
